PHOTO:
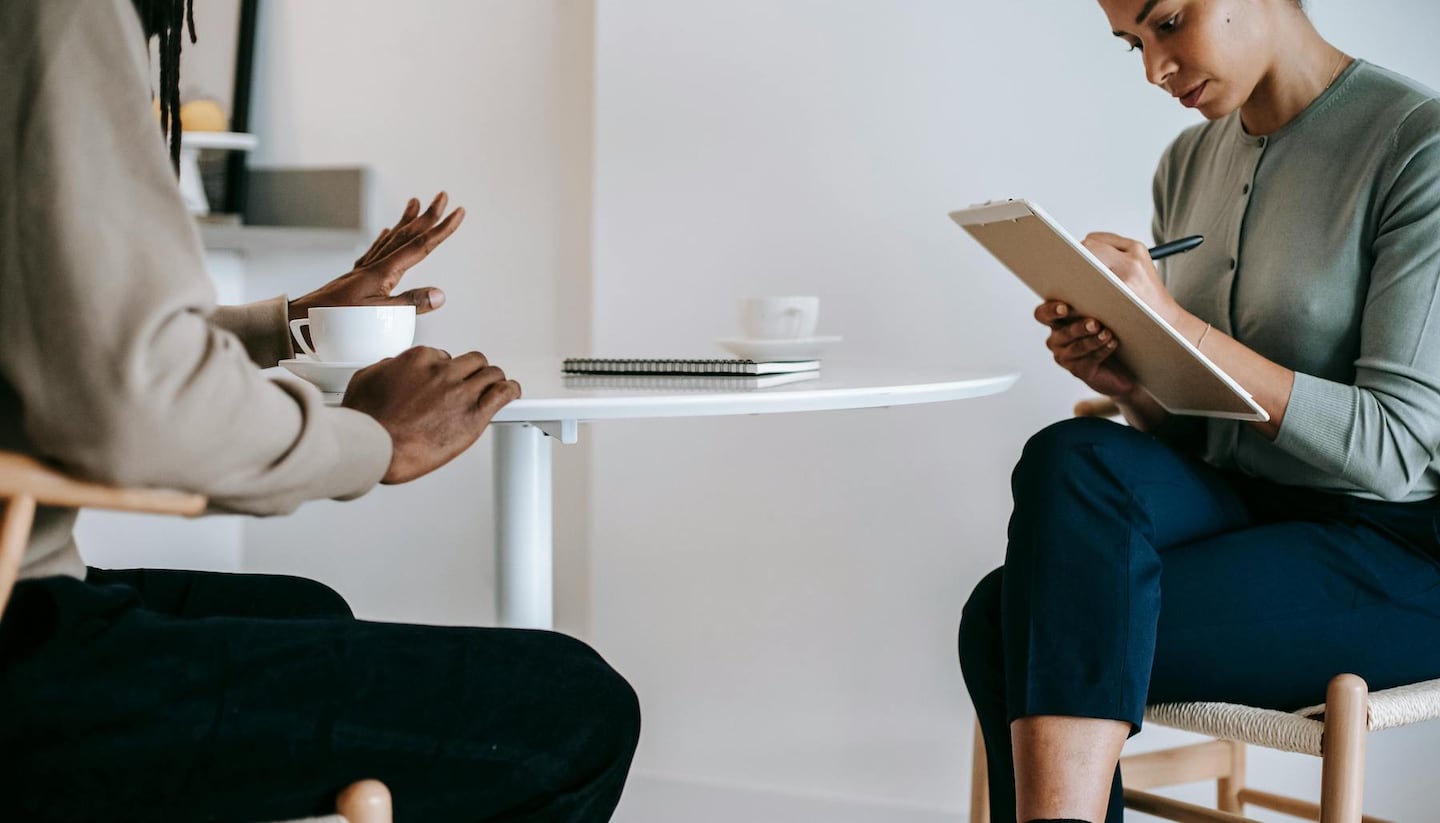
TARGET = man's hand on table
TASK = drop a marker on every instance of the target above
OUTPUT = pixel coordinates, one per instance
(433, 405)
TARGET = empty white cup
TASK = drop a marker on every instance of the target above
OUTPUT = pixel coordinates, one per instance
(779, 318)
(356, 334)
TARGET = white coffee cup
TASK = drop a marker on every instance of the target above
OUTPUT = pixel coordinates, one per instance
(356, 334)
(779, 318)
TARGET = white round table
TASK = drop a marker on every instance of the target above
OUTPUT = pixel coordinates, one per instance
(548, 409)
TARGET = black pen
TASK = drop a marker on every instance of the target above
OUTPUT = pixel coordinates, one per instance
(1176, 246)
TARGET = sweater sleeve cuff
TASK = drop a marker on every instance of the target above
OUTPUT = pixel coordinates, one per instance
(365, 456)
(1317, 421)
(263, 327)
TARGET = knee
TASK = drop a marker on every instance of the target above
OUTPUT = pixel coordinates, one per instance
(1059, 444)
(1065, 458)
(979, 638)
(307, 599)
(602, 708)
(616, 715)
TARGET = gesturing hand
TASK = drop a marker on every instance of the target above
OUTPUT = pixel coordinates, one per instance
(433, 405)
(378, 271)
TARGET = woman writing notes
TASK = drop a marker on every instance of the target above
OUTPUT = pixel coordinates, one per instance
(1182, 559)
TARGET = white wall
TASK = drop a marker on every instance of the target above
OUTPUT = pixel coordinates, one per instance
(784, 591)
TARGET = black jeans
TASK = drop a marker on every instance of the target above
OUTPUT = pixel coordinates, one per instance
(181, 696)
(1134, 575)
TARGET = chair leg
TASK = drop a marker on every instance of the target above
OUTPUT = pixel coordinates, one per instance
(15, 522)
(367, 801)
(1228, 787)
(979, 781)
(1342, 780)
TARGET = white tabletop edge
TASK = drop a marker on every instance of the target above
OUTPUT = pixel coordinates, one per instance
(791, 398)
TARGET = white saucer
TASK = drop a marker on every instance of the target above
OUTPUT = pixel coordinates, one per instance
(796, 348)
(328, 377)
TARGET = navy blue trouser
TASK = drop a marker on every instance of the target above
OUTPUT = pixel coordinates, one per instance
(1136, 575)
(181, 696)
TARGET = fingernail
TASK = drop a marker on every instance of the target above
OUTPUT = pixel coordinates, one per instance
(1105, 335)
(1112, 344)
(437, 298)
(1091, 325)
(1062, 309)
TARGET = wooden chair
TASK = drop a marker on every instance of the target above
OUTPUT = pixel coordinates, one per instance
(26, 483)
(1334, 731)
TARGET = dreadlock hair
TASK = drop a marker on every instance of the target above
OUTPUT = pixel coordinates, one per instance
(164, 19)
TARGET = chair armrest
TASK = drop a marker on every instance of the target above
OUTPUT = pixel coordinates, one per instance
(26, 483)
(21, 475)
(1097, 407)
(366, 801)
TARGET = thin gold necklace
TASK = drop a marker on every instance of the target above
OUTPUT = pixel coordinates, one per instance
(1336, 73)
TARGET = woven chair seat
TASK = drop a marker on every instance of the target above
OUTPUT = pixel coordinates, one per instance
(1300, 731)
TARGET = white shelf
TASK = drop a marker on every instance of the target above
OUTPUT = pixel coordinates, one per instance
(191, 143)
(253, 240)
(231, 140)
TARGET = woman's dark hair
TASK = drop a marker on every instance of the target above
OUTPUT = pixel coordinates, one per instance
(165, 19)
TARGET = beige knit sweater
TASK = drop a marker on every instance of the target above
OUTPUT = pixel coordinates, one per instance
(115, 362)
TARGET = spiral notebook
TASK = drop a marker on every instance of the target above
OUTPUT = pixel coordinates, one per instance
(698, 368)
(685, 382)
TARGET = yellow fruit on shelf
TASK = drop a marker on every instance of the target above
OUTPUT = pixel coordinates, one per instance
(203, 115)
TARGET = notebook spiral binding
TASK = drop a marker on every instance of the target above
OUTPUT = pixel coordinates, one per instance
(643, 366)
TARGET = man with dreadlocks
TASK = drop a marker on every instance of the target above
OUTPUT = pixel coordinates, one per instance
(177, 696)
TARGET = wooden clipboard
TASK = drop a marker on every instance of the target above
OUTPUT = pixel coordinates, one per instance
(1056, 267)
